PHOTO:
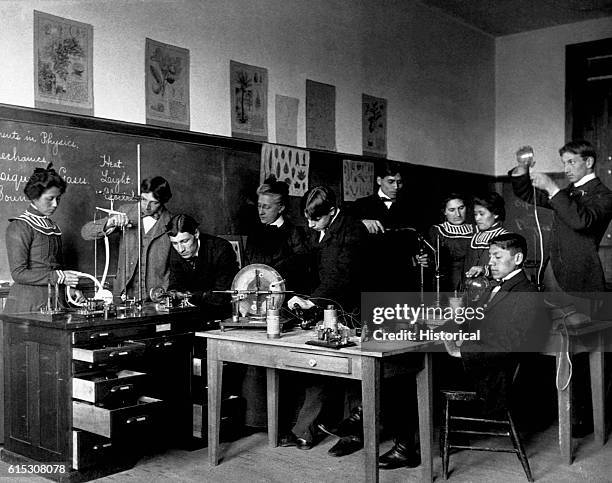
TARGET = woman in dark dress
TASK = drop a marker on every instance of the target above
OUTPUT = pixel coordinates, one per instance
(280, 244)
(453, 239)
(34, 245)
(276, 241)
(489, 214)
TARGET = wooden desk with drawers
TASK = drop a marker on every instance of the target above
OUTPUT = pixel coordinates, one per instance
(292, 354)
(93, 394)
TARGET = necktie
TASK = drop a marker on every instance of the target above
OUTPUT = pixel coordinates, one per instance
(576, 192)
(192, 261)
(386, 200)
(495, 287)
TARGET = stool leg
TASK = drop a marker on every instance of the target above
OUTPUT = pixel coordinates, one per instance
(516, 441)
(445, 444)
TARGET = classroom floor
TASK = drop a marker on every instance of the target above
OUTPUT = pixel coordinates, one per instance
(250, 460)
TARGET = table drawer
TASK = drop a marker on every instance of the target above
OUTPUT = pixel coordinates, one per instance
(115, 352)
(112, 423)
(98, 386)
(316, 361)
(87, 337)
(89, 450)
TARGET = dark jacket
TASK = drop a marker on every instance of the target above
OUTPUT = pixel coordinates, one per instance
(155, 251)
(282, 248)
(215, 268)
(581, 217)
(514, 322)
(338, 260)
(399, 246)
(453, 242)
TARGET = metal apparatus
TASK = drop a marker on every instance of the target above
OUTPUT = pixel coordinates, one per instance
(255, 289)
(170, 300)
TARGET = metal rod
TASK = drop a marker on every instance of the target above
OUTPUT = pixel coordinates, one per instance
(138, 180)
(56, 296)
(125, 260)
(48, 296)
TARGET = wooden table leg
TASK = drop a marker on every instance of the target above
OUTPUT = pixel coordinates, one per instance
(425, 400)
(370, 393)
(564, 402)
(214, 372)
(272, 387)
(596, 366)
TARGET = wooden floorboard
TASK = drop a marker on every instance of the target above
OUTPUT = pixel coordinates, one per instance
(250, 460)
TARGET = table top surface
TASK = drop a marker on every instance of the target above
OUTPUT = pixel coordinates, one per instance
(296, 339)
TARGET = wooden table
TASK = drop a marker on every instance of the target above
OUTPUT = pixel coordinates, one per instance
(591, 338)
(291, 354)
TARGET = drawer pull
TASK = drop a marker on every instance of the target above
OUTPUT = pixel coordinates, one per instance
(136, 419)
(99, 334)
(125, 387)
(122, 353)
(312, 362)
(102, 446)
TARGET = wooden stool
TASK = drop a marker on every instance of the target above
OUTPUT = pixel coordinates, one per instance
(503, 427)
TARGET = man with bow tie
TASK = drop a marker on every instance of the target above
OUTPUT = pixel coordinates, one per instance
(574, 274)
(201, 263)
(155, 193)
(514, 322)
(388, 219)
(582, 212)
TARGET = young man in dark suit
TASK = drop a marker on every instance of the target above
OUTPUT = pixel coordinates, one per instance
(335, 247)
(389, 220)
(514, 322)
(582, 212)
(201, 263)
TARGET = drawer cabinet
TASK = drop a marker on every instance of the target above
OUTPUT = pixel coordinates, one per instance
(97, 394)
(120, 422)
(100, 386)
(317, 361)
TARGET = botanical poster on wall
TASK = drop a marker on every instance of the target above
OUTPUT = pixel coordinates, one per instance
(357, 179)
(249, 101)
(320, 115)
(374, 125)
(167, 85)
(63, 64)
(287, 164)
(286, 114)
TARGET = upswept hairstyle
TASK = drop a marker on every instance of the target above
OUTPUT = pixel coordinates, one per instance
(452, 196)
(279, 190)
(513, 242)
(318, 202)
(581, 147)
(493, 202)
(158, 187)
(181, 224)
(43, 179)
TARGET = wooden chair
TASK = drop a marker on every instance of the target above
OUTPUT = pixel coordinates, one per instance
(485, 427)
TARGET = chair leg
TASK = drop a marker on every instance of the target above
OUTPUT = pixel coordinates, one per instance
(445, 443)
(516, 441)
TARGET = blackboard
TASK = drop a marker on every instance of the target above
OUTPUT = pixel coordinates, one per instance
(213, 178)
(207, 181)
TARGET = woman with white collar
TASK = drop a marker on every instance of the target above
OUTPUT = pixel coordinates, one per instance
(489, 215)
(34, 245)
(452, 237)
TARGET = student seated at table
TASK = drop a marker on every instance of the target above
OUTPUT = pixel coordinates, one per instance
(201, 263)
(335, 250)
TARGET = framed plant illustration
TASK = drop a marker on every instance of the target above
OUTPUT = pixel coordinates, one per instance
(63, 64)
(249, 101)
(167, 85)
(374, 125)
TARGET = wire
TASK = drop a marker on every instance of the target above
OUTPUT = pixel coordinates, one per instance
(565, 340)
(540, 238)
